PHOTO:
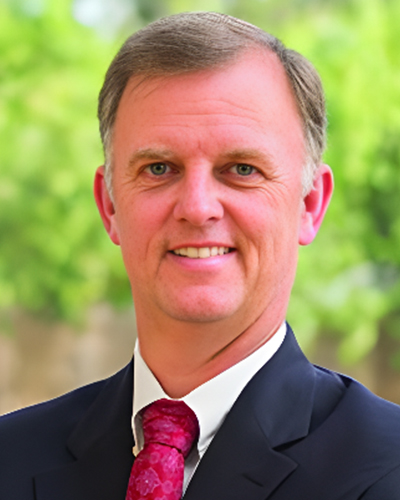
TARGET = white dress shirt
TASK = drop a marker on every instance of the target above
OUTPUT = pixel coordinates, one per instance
(210, 401)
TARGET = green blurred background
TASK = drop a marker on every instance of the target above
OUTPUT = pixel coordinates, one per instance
(57, 266)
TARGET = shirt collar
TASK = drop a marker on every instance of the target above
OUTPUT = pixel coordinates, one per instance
(222, 390)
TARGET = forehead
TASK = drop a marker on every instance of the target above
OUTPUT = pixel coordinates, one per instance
(252, 94)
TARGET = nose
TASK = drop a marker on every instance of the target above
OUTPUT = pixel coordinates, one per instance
(198, 198)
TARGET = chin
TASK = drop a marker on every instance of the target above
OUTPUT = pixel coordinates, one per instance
(200, 309)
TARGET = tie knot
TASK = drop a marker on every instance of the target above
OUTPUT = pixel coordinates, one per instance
(171, 423)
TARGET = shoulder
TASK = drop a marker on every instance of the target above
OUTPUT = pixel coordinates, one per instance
(36, 438)
(59, 415)
(52, 435)
(367, 422)
(48, 416)
(362, 437)
(365, 410)
(26, 433)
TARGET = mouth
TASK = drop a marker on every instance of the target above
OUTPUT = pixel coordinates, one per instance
(202, 252)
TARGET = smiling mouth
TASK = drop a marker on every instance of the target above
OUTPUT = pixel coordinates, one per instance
(202, 252)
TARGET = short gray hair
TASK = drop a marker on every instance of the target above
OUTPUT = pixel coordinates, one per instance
(195, 41)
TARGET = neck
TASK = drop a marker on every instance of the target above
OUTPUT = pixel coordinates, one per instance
(184, 356)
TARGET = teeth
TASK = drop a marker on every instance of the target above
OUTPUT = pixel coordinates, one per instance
(204, 253)
(201, 253)
(192, 252)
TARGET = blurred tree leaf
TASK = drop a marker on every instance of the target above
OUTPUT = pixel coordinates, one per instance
(55, 255)
(54, 252)
(350, 277)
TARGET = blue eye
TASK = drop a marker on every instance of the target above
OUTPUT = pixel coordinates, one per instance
(243, 169)
(158, 168)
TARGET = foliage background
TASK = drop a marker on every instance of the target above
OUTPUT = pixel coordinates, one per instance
(56, 260)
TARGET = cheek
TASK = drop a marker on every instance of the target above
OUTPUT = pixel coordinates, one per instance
(132, 229)
(270, 230)
(255, 218)
(141, 223)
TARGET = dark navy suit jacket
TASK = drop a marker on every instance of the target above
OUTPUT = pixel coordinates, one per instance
(297, 432)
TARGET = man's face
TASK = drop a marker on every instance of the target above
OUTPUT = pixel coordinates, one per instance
(207, 192)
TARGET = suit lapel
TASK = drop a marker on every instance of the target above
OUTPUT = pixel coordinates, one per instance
(101, 444)
(243, 460)
(239, 464)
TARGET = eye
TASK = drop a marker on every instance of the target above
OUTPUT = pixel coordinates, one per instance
(243, 169)
(158, 168)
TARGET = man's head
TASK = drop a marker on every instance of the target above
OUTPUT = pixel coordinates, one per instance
(192, 42)
(209, 160)
(208, 201)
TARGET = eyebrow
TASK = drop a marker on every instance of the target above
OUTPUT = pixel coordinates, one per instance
(240, 154)
(248, 154)
(150, 154)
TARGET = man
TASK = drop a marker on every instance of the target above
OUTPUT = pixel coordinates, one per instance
(213, 135)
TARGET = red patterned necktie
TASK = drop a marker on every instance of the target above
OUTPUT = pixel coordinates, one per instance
(170, 428)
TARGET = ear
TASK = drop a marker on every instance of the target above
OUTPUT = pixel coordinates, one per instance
(316, 204)
(105, 205)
